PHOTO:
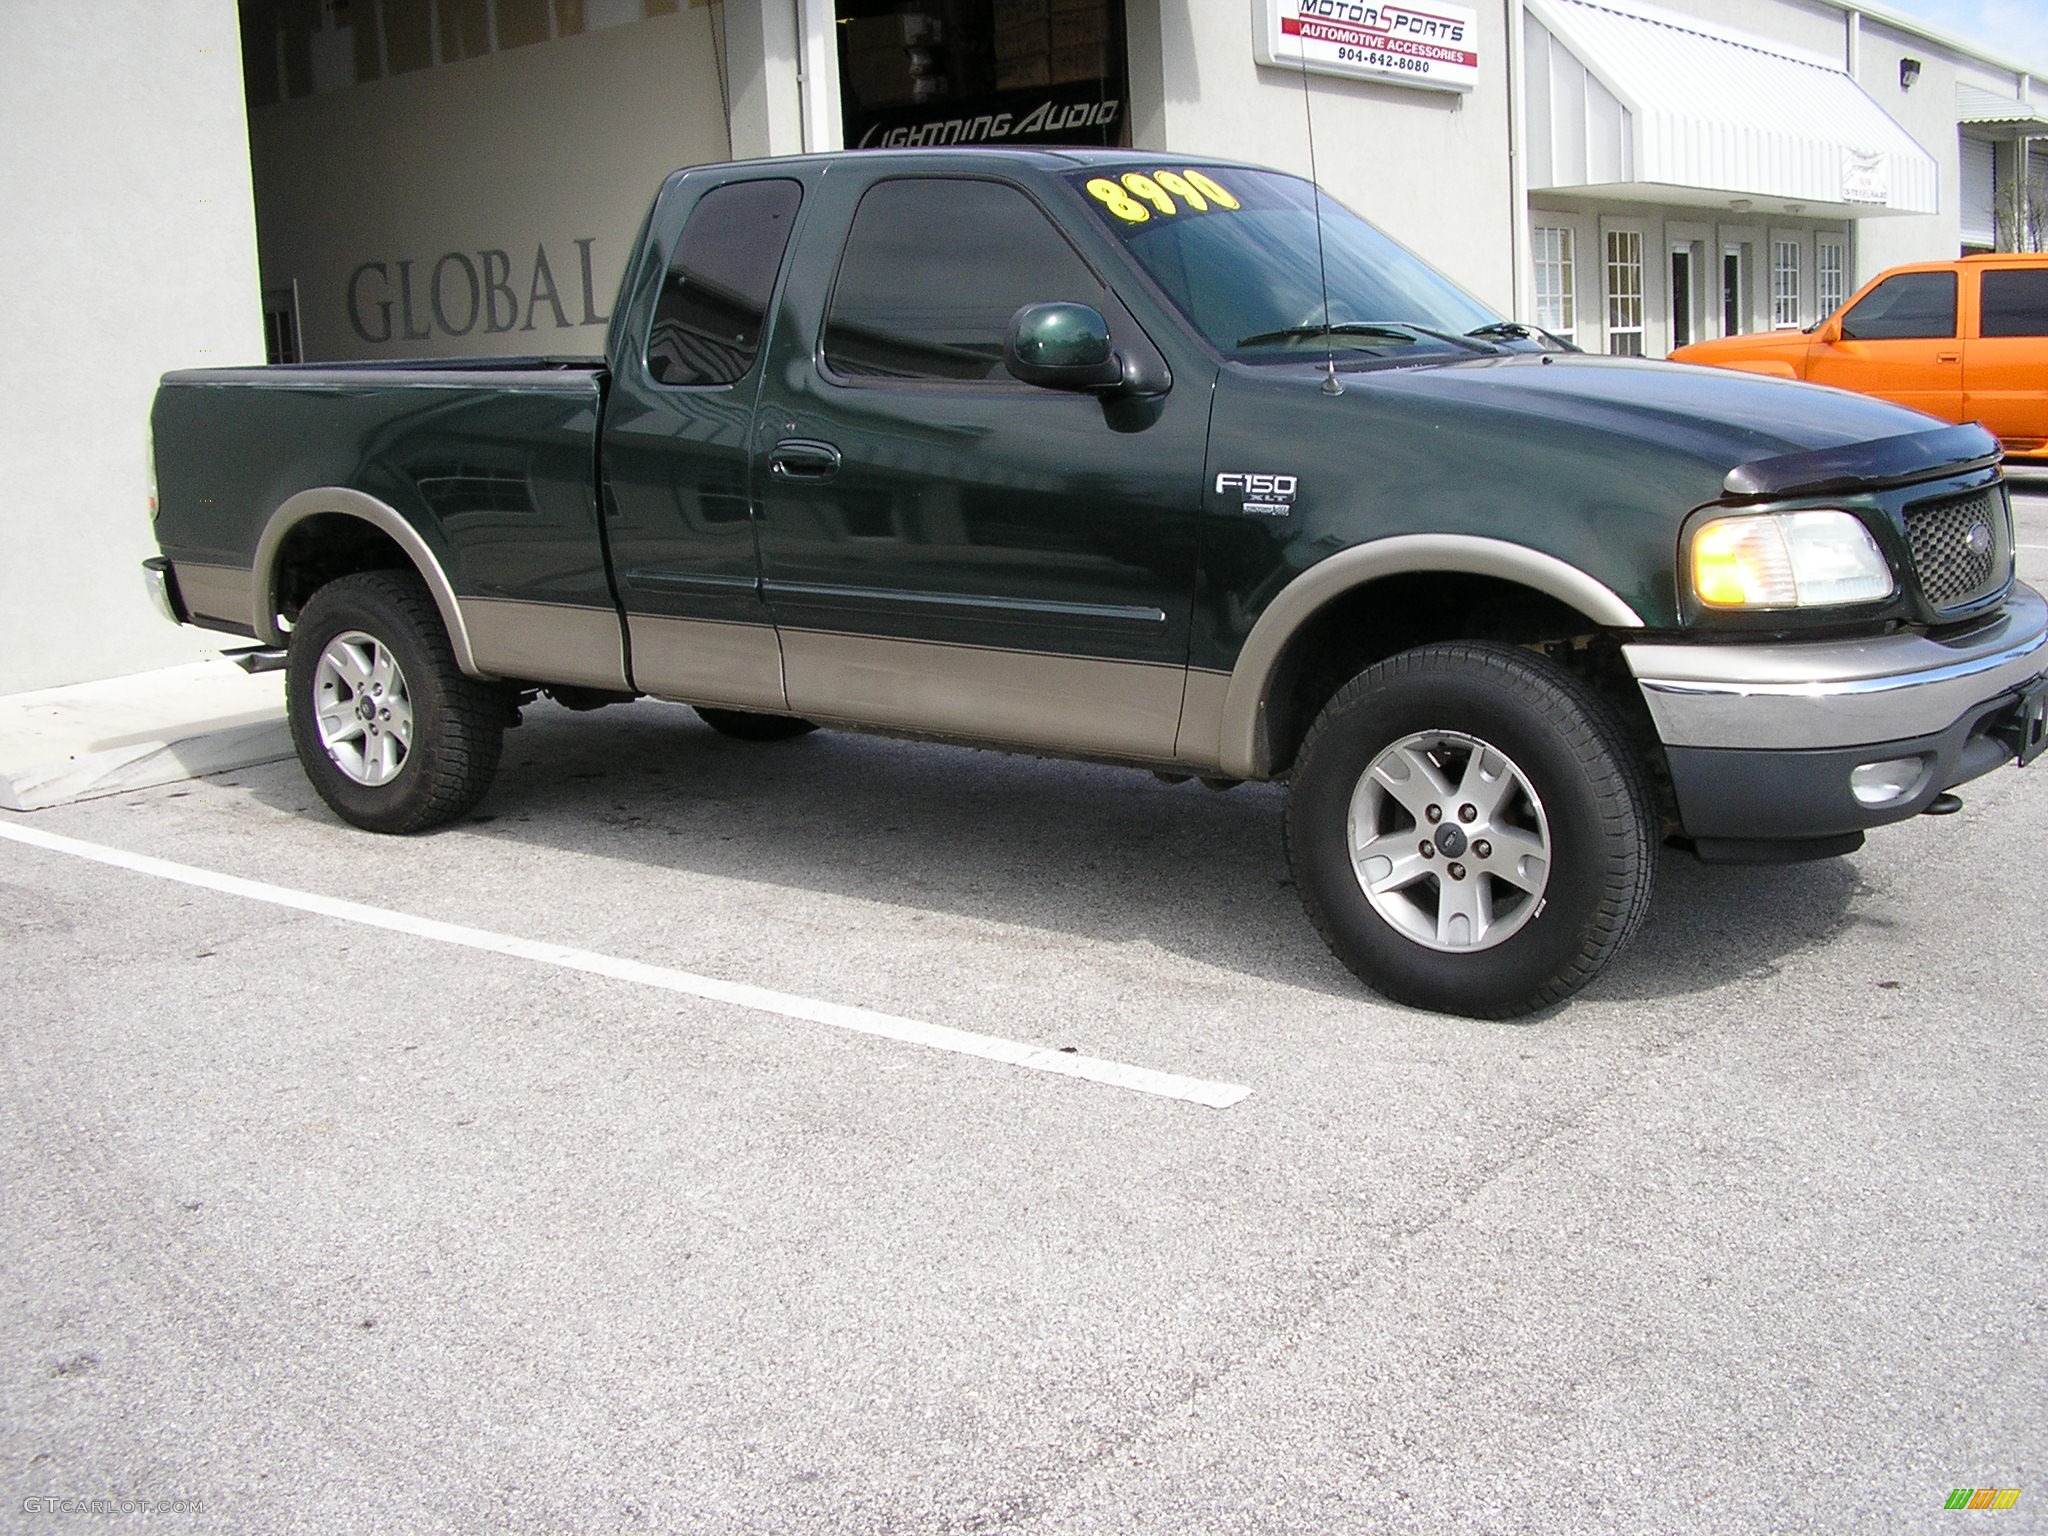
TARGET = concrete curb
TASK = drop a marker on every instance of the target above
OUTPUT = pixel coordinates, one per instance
(61, 745)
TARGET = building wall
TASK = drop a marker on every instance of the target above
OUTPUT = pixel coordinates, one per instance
(482, 207)
(130, 248)
(1429, 167)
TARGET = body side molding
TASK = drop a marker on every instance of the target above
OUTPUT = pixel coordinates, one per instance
(1242, 752)
(342, 501)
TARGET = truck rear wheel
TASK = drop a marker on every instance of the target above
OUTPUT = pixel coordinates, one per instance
(1469, 831)
(392, 734)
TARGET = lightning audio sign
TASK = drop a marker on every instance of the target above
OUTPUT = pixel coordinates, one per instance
(1431, 44)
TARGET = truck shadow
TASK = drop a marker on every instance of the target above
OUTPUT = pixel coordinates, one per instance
(1110, 853)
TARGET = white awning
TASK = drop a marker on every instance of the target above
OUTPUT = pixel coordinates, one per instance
(1978, 107)
(1645, 105)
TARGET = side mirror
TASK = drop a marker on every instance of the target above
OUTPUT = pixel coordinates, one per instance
(1062, 346)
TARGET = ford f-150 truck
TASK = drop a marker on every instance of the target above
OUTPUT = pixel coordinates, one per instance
(1155, 461)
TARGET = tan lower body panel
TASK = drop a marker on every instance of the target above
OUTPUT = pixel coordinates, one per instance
(545, 642)
(702, 662)
(1066, 704)
(1201, 719)
(215, 592)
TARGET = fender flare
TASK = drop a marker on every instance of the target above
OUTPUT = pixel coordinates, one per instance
(1242, 748)
(334, 500)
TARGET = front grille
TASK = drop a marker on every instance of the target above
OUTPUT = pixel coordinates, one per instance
(1962, 547)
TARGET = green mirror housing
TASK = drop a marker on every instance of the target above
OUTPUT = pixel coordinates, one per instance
(1062, 346)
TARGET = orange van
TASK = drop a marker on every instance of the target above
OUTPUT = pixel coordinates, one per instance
(1963, 340)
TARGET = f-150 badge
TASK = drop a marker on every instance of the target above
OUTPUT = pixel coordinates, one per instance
(1264, 495)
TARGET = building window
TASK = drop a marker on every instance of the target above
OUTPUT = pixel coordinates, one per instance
(1831, 273)
(1556, 280)
(1625, 292)
(1785, 283)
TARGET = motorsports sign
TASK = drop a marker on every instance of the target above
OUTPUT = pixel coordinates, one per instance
(1425, 43)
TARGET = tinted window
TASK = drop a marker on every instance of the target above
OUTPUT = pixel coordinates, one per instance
(933, 272)
(2015, 303)
(1911, 304)
(708, 320)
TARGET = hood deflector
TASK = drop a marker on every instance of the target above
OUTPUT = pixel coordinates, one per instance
(1887, 461)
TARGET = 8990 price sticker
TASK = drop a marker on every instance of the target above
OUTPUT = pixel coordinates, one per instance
(1134, 197)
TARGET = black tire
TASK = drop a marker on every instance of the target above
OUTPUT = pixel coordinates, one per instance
(370, 651)
(1560, 808)
(745, 725)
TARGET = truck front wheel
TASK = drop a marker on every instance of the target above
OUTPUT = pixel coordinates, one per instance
(392, 734)
(1469, 831)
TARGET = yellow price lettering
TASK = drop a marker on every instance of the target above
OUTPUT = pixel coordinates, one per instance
(1117, 200)
(1208, 187)
(1149, 190)
(1181, 188)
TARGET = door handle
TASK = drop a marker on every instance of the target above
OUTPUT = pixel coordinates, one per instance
(1948, 357)
(802, 458)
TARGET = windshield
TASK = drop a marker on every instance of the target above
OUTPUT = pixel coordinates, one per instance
(1235, 250)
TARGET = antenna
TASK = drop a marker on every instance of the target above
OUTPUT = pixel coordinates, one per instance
(1332, 385)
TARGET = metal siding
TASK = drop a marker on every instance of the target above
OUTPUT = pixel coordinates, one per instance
(1979, 213)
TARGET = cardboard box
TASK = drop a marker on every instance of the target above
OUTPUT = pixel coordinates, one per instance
(1019, 74)
(912, 29)
(888, 77)
(1080, 29)
(1085, 63)
(1027, 40)
(1018, 13)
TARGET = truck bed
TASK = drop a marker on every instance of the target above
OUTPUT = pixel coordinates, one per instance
(492, 461)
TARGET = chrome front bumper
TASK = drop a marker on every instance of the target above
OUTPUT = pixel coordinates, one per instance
(1840, 693)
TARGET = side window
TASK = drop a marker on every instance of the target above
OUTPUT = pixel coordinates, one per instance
(934, 270)
(2015, 303)
(714, 300)
(1913, 304)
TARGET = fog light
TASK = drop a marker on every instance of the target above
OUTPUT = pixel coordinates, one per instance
(1888, 782)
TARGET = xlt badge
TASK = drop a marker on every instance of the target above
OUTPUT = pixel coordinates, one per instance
(1264, 495)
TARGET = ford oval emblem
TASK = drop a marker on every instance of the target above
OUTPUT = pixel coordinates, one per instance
(1978, 540)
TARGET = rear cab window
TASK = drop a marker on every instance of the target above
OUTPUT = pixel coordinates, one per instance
(714, 298)
(2014, 303)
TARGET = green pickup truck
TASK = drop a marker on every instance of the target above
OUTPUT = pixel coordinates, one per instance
(1172, 464)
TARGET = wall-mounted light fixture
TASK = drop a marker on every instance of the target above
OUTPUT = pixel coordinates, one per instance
(1739, 205)
(1909, 71)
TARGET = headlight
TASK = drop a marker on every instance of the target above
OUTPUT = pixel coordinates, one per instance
(1787, 560)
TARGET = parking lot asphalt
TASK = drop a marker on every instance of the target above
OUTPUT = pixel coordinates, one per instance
(325, 1226)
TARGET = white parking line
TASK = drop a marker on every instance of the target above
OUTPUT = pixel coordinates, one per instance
(866, 1021)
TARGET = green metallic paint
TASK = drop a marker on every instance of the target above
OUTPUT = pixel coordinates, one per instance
(991, 518)
(489, 469)
(339, 501)
(1063, 524)
(1241, 748)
